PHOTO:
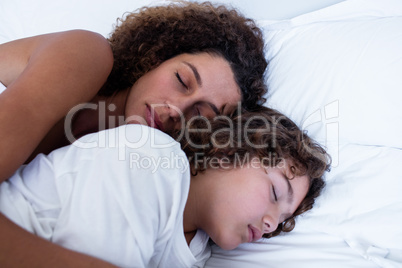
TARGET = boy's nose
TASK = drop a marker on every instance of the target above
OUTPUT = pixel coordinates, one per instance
(270, 224)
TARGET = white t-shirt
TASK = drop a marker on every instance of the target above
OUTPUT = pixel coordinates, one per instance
(120, 197)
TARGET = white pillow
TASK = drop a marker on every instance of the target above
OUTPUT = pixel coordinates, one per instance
(340, 79)
(346, 72)
(337, 73)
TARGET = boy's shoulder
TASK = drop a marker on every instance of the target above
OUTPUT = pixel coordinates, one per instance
(129, 144)
(133, 137)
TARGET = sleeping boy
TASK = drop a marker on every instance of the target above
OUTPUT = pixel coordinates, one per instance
(135, 197)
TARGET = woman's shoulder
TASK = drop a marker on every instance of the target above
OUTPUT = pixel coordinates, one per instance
(70, 38)
(75, 46)
(54, 71)
(79, 40)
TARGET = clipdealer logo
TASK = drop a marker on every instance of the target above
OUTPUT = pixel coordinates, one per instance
(326, 121)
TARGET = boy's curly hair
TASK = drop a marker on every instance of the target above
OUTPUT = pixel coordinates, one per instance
(144, 39)
(266, 134)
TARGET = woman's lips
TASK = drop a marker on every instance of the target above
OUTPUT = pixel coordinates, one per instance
(152, 119)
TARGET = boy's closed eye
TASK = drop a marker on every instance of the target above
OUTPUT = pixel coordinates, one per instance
(274, 192)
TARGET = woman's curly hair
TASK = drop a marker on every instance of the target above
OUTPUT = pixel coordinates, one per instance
(144, 39)
(265, 134)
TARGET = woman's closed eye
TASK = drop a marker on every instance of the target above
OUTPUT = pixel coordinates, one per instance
(180, 80)
(197, 110)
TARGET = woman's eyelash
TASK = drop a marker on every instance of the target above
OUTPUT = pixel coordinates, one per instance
(197, 110)
(179, 78)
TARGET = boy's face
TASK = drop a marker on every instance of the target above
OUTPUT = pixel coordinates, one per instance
(246, 202)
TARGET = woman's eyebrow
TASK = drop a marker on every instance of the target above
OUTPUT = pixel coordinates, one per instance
(196, 73)
(199, 82)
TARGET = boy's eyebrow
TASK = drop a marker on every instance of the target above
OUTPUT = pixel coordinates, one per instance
(195, 71)
(290, 195)
(290, 189)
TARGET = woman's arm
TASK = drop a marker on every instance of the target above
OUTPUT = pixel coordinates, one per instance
(45, 77)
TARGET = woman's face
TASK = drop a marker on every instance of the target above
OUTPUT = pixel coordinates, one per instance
(244, 203)
(180, 88)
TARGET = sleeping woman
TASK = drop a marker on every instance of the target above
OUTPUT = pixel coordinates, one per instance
(160, 67)
(139, 202)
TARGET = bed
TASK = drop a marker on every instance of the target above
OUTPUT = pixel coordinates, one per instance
(335, 68)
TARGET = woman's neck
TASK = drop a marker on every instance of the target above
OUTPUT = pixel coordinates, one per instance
(99, 114)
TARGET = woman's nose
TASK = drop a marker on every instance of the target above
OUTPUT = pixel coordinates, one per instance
(176, 120)
(175, 112)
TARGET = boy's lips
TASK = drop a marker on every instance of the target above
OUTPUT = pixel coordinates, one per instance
(152, 119)
(254, 234)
